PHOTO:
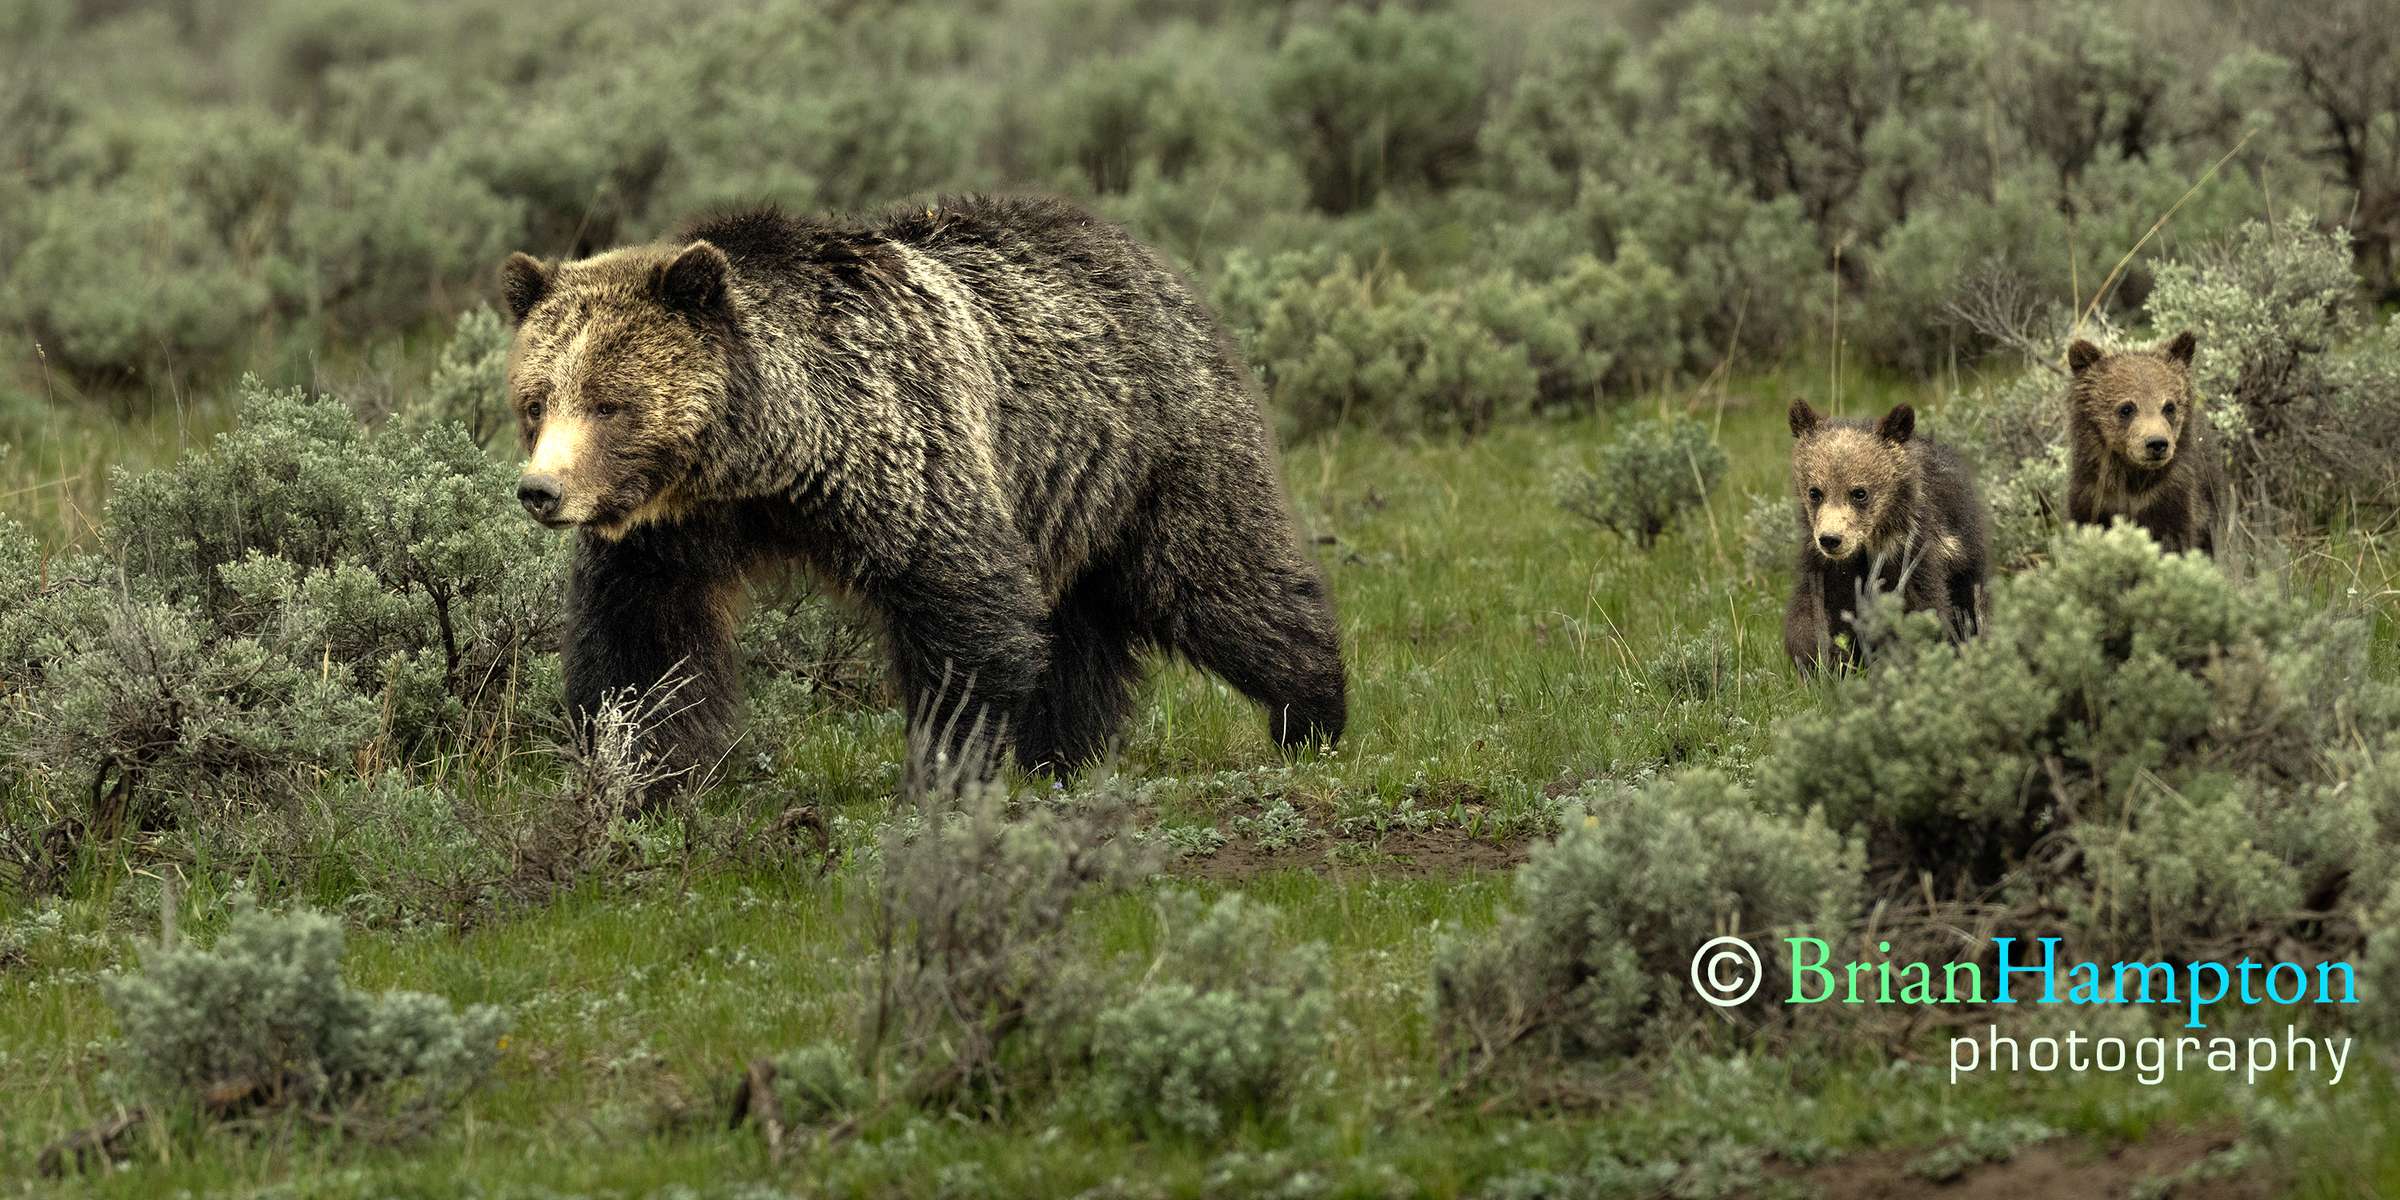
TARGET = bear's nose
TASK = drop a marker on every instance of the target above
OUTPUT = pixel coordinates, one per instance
(2155, 447)
(539, 494)
(1830, 542)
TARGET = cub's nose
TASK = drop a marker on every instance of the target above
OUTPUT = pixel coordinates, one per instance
(1829, 543)
(540, 496)
(2155, 447)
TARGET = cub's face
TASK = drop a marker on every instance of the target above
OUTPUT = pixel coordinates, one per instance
(1849, 478)
(617, 368)
(2138, 403)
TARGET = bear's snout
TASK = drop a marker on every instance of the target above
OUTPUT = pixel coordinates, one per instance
(541, 497)
(2156, 448)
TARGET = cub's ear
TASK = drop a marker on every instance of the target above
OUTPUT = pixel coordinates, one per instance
(2082, 355)
(1897, 424)
(694, 282)
(1804, 418)
(2180, 349)
(523, 283)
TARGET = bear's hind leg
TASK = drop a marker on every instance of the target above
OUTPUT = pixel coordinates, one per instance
(1263, 622)
(1080, 702)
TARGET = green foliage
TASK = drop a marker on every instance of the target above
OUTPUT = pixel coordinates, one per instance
(264, 1017)
(469, 386)
(2304, 415)
(1153, 115)
(391, 559)
(1859, 109)
(819, 1082)
(2078, 85)
(305, 595)
(1378, 97)
(1591, 959)
(2160, 756)
(1224, 1027)
(1572, 112)
(1748, 275)
(1645, 478)
(971, 993)
(113, 281)
(1366, 348)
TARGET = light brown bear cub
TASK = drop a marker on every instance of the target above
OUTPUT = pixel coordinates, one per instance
(2140, 448)
(1879, 508)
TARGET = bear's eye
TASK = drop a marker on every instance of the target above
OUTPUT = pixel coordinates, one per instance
(604, 410)
(2168, 412)
(2124, 412)
(1858, 495)
(1816, 495)
(533, 410)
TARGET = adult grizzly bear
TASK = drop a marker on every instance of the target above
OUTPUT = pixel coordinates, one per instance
(1012, 434)
(1881, 510)
(2139, 448)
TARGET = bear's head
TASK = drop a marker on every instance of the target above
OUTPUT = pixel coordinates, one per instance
(2139, 404)
(619, 365)
(1854, 481)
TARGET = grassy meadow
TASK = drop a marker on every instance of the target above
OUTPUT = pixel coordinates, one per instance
(292, 818)
(1503, 653)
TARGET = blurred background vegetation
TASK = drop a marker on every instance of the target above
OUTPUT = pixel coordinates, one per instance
(1416, 215)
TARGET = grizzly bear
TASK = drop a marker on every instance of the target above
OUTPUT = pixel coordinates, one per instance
(1013, 436)
(1881, 510)
(2139, 449)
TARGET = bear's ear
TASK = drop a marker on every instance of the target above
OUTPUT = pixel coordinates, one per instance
(1897, 424)
(2180, 349)
(2081, 356)
(1804, 418)
(694, 281)
(523, 283)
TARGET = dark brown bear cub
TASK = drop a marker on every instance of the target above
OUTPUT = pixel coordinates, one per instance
(1010, 433)
(2139, 446)
(1882, 509)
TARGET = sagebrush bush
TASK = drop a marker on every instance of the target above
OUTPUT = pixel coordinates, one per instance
(1376, 97)
(304, 595)
(469, 385)
(1749, 279)
(2296, 382)
(262, 1019)
(1224, 1028)
(1645, 478)
(2165, 760)
(1365, 348)
(819, 1082)
(1590, 959)
(972, 993)
(177, 303)
(393, 559)
(1858, 109)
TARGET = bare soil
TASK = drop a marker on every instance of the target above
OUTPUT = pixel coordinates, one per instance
(2061, 1167)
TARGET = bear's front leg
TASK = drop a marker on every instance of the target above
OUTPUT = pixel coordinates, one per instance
(969, 646)
(651, 620)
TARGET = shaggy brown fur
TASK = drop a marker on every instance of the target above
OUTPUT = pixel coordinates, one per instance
(2139, 446)
(1008, 431)
(1879, 508)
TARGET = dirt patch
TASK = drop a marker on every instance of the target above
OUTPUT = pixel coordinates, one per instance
(2058, 1167)
(1406, 854)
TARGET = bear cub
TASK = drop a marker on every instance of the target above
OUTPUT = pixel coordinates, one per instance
(2139, 447)
(1883, 510)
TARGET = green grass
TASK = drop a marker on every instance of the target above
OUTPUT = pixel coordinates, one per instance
(1500, 651)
